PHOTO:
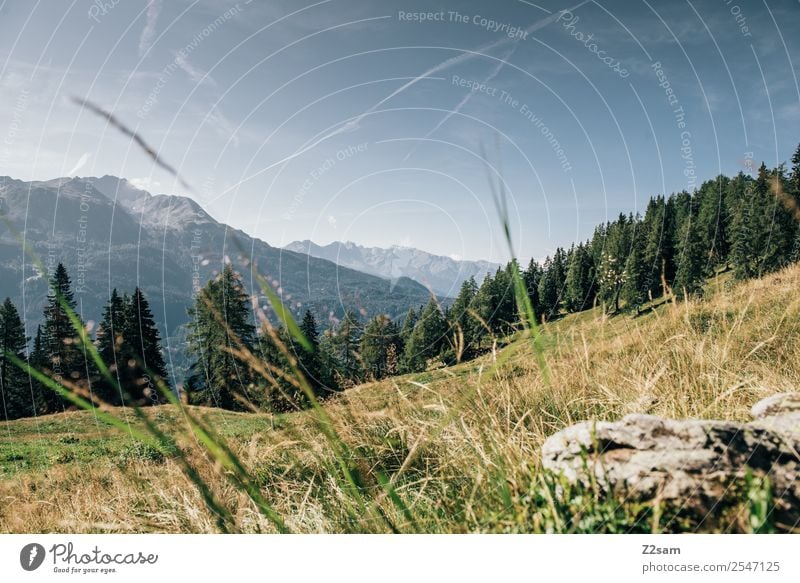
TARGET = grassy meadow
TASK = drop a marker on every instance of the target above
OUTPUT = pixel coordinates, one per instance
(449, 450)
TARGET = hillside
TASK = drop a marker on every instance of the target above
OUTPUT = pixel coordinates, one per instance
(459, 446)
(111, 234)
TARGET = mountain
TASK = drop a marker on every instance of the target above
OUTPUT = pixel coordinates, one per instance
(109, 234)
(441, 274)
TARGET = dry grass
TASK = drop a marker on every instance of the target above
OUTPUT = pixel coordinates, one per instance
(459, 445)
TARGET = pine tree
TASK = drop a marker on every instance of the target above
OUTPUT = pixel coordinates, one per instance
(794, 191)
(782, 223)
(15, 388)
(220, 324)
(427, 339)
(691, 257)
(611, 271)
(110, 348)
(548, 290)
(65, 357)
(487, 301)
(463, 326)
(506, 313)
(143, 342)
(634, 290)
(346, 343)
(309, 360)
(380, 340)
(757, 242)
(712, 218)
(579, 284)
(37, 360)
(531, 277)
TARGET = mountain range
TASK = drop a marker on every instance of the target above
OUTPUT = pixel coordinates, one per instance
(442, 275)
(110, 234)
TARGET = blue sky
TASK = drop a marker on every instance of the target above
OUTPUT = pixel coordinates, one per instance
(367, 121)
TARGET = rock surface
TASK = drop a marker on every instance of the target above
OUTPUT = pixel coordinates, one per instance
(696, 467)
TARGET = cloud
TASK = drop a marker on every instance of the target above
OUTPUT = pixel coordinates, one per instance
(149, 31)
(196, 75)
(80, 164)
(148, 184)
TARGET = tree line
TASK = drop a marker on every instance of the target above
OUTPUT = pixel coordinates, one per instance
(126, 338)
(745, 224)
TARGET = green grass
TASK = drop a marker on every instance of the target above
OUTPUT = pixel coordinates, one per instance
(450, 450)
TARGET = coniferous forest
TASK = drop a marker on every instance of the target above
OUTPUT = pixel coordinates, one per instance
(745, 225)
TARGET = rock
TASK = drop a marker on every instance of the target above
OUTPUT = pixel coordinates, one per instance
(695, 467)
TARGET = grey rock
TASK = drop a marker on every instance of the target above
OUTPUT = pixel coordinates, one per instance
(696, 467)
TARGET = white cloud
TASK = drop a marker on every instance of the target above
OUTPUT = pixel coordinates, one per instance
(149, 30)
(80, 164)
(196, 75)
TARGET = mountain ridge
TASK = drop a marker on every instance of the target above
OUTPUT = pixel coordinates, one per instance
(110, 234)
(440, 273)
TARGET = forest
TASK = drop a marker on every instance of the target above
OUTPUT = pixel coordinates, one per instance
(242, 358)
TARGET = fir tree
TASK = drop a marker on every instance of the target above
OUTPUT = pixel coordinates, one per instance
(486, 302)
(65, 357)
(579, 284)
(531, 277)
(548, 290)
(380, 340)
(427, 339)
(346, 344)
(109, 346)
(308, 360)
(220, 324)
(15, 388)
(634, 289)
(143, 341)
(463, 325)
(38, 361)
(689, 246)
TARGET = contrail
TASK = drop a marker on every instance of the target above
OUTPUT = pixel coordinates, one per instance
(463, 102)
(353, 124)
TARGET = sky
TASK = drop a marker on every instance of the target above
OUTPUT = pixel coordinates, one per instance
(397, 123)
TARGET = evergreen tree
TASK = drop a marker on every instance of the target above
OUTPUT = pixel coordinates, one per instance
(781, 220)
(794, 192)
(110, 348)
(329, 383)
(143, 341)
(548, 290)
(691, 256)
(380, 340)
(611, 272)
(38, 361)
(634, 289)
(463, 325)
(15, 388)
(505, 313)
(579, 284)
(753, 221)
(530, 278)
(426, 340)
(346, 344)
(310, 362)
(712, 218)
(220, 324)
(486, 302)
(65, 356)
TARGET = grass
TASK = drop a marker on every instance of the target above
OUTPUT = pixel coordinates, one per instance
(449, 450)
